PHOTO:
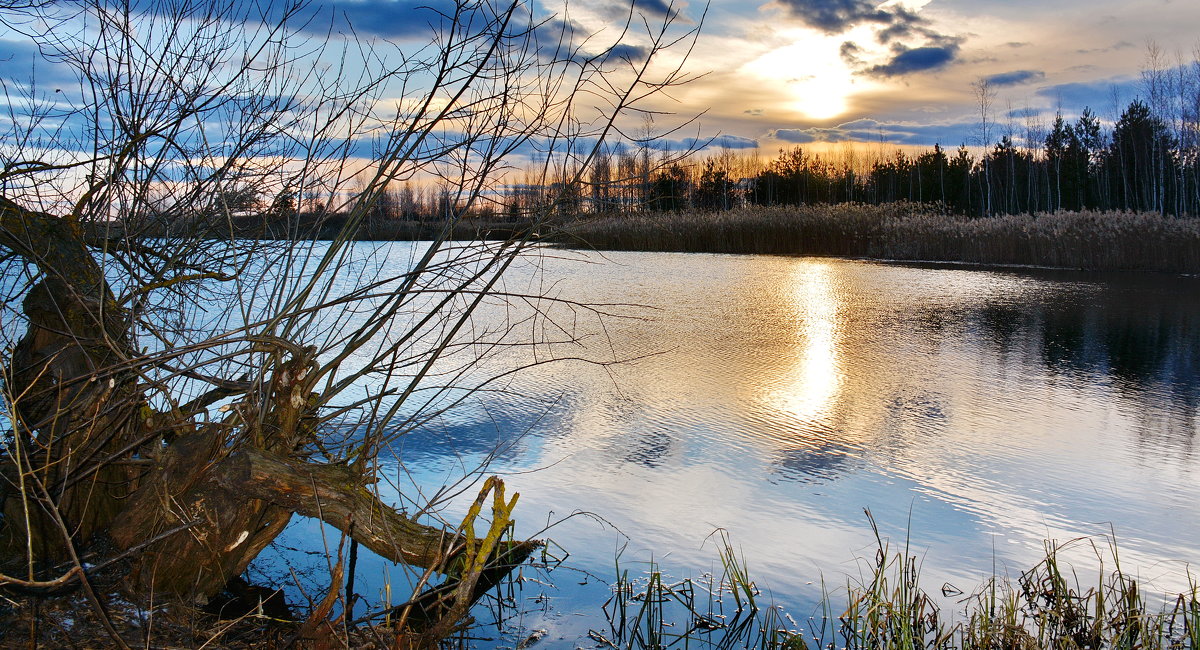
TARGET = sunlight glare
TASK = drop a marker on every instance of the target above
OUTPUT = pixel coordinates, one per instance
(818, 82)
(813, 384)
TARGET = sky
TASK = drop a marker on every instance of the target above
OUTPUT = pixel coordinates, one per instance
(778, 73)
(773, 74)
(789, 72)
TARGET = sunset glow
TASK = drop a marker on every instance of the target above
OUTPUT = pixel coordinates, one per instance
(901, 73)
(817, 83)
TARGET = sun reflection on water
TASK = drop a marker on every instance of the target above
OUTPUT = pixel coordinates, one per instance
(808, 389)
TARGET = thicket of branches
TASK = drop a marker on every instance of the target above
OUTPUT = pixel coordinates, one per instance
(174, 393)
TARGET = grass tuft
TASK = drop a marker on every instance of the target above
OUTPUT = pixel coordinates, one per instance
(887, 608)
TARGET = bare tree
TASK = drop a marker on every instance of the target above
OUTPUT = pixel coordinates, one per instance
(985, 95)
(175, 393)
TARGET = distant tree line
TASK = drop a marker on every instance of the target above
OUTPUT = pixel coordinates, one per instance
(397, 211)
(1140, 164)
(1146, 159)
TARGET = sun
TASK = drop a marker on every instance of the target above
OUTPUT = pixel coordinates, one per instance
(812, 75)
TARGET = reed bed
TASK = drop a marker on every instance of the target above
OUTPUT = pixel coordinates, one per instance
(1096, 241)
(887, 608)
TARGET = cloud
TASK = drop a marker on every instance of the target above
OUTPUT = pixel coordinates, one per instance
(699, 144)
(520, 149)
(851, 53)
(1094, 94)
(631, 53)
(1104, 95)
(917, 59)
(863, 130)
(905, 24)
(1015, 78)
(733, 142)
(894, 33)
(618, 12)
(915, 47)
(21, 62)
(564, 40)
(391, 19)
(796, 136)
(656, 7)
(869, 130)
(835, 16)
(1018, 113)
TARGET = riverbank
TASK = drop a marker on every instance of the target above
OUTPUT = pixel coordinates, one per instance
(1094, 241)
(886, 606)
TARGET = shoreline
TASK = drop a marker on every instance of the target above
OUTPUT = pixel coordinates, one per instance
(921, 263)
(906, 233)
(895, 233)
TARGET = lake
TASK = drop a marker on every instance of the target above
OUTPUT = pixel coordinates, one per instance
(976, 413)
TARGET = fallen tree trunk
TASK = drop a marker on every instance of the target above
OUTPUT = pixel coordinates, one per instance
(241, 503)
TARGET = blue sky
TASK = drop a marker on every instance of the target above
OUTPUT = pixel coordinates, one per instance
(778, 73)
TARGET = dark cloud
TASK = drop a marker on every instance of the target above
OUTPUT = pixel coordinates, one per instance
(795, 136)
(868, 130)
(733, 142)
(850, 52)
(520, 148)
(631, 53)
(917, 59)
(50, 139)
(1015, 78)
(1018, 113)
(699, 144)
(862, 123)
(915, 46)
(1120, 45)
(905, 24)
(655, 7)
(557, 40)
(1103, 95)
(391, 19)
(863, 130)
(835, 16)
(565, 40)
(893, 33)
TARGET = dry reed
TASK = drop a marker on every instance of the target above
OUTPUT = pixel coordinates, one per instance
(909, 232)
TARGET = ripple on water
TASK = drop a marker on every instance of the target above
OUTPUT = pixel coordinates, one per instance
(976, 412)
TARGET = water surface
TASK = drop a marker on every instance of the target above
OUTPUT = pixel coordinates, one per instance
(975, 412)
